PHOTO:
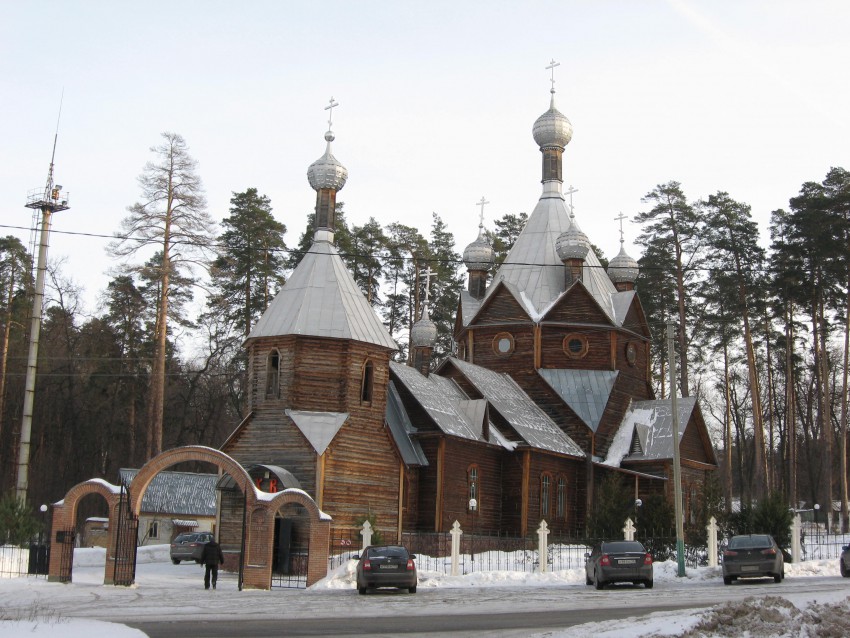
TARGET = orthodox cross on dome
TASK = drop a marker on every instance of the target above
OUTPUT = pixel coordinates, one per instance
(481, 214)
(330, 107)
(551, 67)
(428, 274)
(620, 218)
(570, 191)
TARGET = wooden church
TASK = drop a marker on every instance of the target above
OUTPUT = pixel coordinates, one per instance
(548, 392)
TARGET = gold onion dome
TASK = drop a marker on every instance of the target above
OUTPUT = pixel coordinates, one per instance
(327, 171)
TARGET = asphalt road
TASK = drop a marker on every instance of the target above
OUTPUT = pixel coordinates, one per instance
(467, 612)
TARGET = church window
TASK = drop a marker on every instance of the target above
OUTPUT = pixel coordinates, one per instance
(631, 353)
(545, 494)
(367, 382)
(153, 530)
(273, 375)
(503, 344)
(575, 346)
(561, 499)
(473, 487)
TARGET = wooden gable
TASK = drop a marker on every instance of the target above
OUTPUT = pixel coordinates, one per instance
(636, 319)
(577, 305)
(500, 306)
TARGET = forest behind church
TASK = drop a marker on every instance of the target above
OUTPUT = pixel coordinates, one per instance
(763, 330)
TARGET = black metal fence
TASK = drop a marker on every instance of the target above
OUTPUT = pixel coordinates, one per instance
(31, 560)
(819, 543)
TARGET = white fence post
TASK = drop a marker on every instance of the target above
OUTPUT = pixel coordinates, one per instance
(712, 528)
(796, 529)
(629, 530)
(456, 533)
(543, 546)
(366, 533)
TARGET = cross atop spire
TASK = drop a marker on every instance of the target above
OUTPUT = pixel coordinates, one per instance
(620, 218)
(572, 189)
(428, 274)
(330, 107)
(481, 214)
(551, 67)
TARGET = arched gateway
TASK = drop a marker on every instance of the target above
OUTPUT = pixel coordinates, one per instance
(260, 508)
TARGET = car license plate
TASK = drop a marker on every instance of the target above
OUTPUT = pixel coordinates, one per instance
(626, 561)
(388, 567)
(749, 568)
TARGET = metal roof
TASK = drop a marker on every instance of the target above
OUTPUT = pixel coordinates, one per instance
(652, 421)
(177, 493)
(319, 428)
(321, 299)
(469, 305)
(402, 429)
(533, 264)
(585, 391)
(531, 423)
(440, 398)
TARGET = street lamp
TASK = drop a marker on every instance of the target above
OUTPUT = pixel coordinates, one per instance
(43, 510)
(817, 509)
(638, 503)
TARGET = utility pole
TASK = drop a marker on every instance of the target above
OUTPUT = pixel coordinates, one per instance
(48, 200)
(677, 469)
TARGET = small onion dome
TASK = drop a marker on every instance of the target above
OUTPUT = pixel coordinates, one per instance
(552, 128)
(572, 243)
(479, 255)
(424, 331)
(623, 268)
(327, 172)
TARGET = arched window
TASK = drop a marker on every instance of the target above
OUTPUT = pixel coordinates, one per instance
(273, 375)
(473, 488)
(366, 382)
(545, 494)
(561, 499)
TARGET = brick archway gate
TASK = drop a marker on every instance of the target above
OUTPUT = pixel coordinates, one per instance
(319, 536)
(64, 529)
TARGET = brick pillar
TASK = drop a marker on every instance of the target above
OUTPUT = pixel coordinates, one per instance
(320, 537)
(259, 535)
(55, 571)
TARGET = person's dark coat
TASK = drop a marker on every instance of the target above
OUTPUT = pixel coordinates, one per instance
(212, 554)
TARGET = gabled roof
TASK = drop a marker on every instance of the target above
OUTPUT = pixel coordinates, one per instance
(652, 422)
(469, 305)
(321, 299)
(177, 493)
(622, 302)
(441, 399)
(319, 428)
(402, 430)
(585, 391)
(533, 265)
(531, 423)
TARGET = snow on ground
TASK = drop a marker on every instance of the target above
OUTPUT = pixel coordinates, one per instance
(33, 607)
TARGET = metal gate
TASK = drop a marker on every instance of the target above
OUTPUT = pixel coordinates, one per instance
(290, 555)
(64, 544)
(126, 539)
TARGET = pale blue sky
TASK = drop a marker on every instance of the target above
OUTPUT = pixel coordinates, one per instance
(437, 100)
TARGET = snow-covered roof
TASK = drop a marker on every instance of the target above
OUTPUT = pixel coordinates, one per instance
(321, 299)
(177, 493)
(585, 391)
(531, 423)
(652, 421)
(319, 428)
(469, 305)
(402, 430)
(533, 264)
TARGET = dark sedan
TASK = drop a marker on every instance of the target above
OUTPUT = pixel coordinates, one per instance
(386, 566)
(753, 556)
(616, 562)
(189, 546)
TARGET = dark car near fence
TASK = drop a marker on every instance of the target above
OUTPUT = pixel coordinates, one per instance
(753, 556)
(386, 566)
(617, 562)
(189, 546)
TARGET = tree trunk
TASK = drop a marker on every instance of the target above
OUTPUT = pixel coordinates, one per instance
(842, 453)
(790, 410)
(727, 471)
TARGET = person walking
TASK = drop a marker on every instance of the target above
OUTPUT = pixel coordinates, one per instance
(211, 558)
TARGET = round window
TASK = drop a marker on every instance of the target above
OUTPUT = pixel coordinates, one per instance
(503, 344)
(575, 346)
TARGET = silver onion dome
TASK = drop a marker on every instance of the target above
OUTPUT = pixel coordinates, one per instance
(327, 171)
(479, 255)
(552, 128)
(623, 268)
(572, 243)
(424, 331)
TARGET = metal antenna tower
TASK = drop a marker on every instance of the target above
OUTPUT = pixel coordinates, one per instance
(48, 200)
